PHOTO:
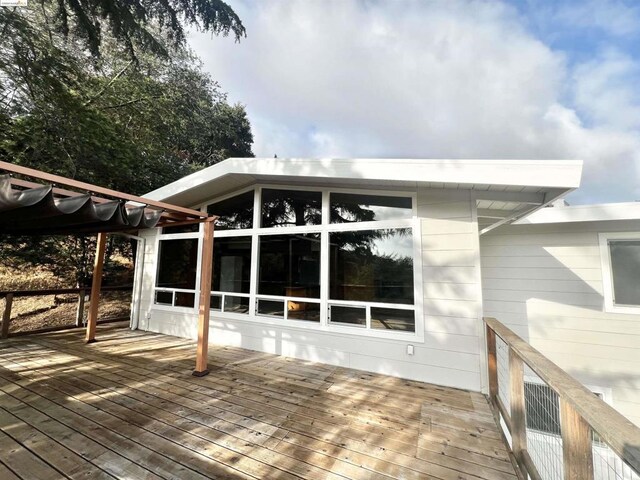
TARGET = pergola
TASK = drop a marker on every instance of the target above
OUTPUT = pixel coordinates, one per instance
(33, 202)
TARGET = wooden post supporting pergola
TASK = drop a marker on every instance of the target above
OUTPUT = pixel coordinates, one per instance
(40, 200)
(206, 269)
(96, 283)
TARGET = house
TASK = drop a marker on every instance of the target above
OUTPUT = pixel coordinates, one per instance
(567, 279)
(372, 264)
(386, 266)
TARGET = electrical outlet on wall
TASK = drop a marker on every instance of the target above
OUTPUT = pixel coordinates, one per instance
(409, 349)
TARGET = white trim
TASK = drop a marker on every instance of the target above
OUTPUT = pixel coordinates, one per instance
(541, 173)
(607, 274)
(585, 213)
(481, 330)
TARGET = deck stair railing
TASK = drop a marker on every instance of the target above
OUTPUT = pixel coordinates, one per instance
(556, 427)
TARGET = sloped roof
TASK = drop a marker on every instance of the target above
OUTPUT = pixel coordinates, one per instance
(505, 189)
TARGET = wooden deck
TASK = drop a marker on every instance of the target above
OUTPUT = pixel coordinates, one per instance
(128, 407)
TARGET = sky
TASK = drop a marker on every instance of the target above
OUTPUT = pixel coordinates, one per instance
(442, 79)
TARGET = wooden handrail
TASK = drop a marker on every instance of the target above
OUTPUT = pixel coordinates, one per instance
(58, 291)
(622, 436)
(9, 295)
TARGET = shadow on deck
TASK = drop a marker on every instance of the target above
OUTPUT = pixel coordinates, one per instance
(128, 407)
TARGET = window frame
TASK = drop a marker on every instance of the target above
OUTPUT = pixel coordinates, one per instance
(324, 228)
(173, 308)
(607, 272)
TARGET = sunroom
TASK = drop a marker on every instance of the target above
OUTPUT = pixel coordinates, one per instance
(332, 261)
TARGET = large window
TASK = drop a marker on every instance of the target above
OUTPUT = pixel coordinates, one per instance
(290, 265)
(235, 212)
(231, 276)
(621, 271)
(334, 260)
(176, 276)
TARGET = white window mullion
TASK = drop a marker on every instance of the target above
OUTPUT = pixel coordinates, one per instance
(324, 278)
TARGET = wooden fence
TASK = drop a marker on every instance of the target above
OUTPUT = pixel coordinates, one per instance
(9, 296)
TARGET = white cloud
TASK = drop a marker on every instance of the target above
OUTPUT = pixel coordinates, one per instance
(448, 79)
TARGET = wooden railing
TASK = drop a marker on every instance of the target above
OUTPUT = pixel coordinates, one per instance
(9, 295)
(581, 412)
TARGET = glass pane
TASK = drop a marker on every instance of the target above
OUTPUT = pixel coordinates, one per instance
(349, 315)
(164, 298)
(193, 227)
(625, 266)
(349, 207)
(234, 212)
(215, 302)
(287, 208)
(271, 307)
(289, 265)
(177, 263)
(303, 311)
(372, 266)
(236, 304)
(231, 264)
(185, 299)
(393, 319)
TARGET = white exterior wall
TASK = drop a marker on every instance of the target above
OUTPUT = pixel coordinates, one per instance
(450, 354)
(545, 282)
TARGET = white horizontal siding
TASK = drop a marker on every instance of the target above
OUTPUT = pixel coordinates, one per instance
(545, 282)
(450, 354)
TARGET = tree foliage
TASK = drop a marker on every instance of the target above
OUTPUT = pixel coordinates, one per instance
(107, 92)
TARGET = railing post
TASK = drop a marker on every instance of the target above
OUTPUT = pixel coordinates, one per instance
(577, 450)
(80, 308)
(492, 361)
(6, 316)
(518, 412)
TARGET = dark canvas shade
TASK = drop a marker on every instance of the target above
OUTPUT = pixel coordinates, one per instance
(37, 211)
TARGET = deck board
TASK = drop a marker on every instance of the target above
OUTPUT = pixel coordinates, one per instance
(127, 407)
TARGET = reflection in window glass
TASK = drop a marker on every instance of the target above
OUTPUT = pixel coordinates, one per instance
(231, 264)
(288, 208)
(348, 315)
(625, 266)
(372, 265)
(236, 304)
(393, 319)
(303, 311)
(185, 299)
(177, 263)
(191, 228)
(271, 307)
(164, 298)
(289, 265)
(216, 302)
(235, 212)
(349, 208)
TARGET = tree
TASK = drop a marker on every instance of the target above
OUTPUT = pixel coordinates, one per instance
(107, 92)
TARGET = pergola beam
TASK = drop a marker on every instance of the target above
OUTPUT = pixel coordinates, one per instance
(58, 180)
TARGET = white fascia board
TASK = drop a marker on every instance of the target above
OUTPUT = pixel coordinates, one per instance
(584, 213)
(539, 173)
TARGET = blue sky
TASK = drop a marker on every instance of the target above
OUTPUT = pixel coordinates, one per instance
(442, 79)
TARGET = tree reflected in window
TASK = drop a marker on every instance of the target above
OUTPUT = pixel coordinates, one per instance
(372, 265)
(288, 208)
(235, 212)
